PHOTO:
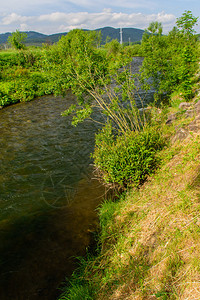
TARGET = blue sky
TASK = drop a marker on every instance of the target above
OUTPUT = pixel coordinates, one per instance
(53, 16)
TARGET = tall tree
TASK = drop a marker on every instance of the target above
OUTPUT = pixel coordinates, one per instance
(17, 39)
(171, 60)
(187, 22)
(155, 28)
(76, 63)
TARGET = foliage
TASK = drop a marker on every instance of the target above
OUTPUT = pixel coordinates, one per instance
(126, 160)
(155, 28)
(133, 50)
(186, 22)
(27, 58)
(8, 59)
(171, 61)
(126, 151)
(78, 290)
(78, 287)
(113, 47)
(22, 78)
(23, 88)
(76, 63)
(17, 39)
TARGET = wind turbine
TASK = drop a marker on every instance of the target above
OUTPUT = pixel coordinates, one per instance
(121, 40)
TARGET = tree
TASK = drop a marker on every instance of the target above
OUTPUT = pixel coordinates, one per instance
(76, 63)
(155, 28)
(17, 39)
(170, 60)
(186, 22)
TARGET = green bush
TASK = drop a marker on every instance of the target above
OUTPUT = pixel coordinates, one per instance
(8, 59)
(24, 87)
(127, 160)
(22, 77)
(27, 58)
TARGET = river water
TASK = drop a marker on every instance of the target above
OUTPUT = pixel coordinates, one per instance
(48, 198)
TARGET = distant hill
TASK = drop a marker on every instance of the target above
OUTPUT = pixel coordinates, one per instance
(37, 39)
(4, 37)
(129, 34)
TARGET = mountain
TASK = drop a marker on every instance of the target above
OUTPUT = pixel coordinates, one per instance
(4, 37)
(37, 39)
(128, 34)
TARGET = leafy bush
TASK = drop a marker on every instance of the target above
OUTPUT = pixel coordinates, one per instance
(126, 160)
(27, 58)
(24, 87)
(133, 50)
(21, 72)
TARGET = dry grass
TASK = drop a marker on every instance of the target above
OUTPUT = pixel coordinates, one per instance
(155, 251)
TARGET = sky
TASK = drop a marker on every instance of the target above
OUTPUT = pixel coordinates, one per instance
(55, 16)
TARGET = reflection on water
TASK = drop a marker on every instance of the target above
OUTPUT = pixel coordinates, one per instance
(47, 199)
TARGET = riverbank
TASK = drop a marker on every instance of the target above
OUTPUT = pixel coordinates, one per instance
(22, 76)
(149, 246)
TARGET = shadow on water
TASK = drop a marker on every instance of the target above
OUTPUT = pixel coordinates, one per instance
(37, 250)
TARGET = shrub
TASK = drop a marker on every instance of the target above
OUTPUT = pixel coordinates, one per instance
(126, 160)
(21, 72)
(27, 58)
(8, 59)
(24, 87)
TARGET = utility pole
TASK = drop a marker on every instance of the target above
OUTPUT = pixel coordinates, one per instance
(121, 40)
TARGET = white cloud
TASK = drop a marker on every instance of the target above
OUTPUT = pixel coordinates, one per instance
(14, 19)
(53, 17)
(59, 21)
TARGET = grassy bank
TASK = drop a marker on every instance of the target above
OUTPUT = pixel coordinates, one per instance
(149, 246)
(22, 77)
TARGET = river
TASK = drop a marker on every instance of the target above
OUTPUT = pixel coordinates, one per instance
(47, 197)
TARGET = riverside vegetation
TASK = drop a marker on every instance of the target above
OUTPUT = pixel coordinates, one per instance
(148, 241)
(21, 76)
